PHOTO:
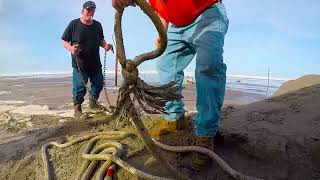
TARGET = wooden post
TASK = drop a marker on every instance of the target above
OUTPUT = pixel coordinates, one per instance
(268, 81)
(116, 70)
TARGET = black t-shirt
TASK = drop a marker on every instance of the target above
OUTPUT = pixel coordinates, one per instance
(89, 38)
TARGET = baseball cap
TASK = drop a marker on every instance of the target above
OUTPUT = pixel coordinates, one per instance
(89, 4)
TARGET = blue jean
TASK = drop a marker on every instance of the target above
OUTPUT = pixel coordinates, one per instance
(205, 39)
(79, 90)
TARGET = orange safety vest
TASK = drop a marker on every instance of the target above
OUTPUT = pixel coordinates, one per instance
(180, 12)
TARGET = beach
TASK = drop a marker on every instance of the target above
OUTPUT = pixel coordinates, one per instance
(260, 136)
(56, 92)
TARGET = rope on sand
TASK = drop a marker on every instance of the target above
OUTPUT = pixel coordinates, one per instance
(211, 154)
(114, 150)
(111, 151)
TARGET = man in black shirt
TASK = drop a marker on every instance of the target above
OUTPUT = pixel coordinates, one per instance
(82, 38)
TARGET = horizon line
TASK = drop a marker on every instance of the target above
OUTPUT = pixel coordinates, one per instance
(150, 72)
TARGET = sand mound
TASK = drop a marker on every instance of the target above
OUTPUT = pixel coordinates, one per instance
(302, 82)
(282, 133)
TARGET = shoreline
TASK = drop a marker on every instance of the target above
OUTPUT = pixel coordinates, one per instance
(55, 92)
(249, 84)
(112, 72)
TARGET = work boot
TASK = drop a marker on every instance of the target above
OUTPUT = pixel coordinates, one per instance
(167, 127)
(95, 105)
(77, 110)
(200, 160)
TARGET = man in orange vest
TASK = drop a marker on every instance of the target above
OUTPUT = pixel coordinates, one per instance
(198, 27)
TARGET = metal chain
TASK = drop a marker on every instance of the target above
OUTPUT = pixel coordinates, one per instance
(104, 79)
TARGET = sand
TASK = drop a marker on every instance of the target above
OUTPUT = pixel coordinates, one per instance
(56, 93)
(302, 82)
(275, 138)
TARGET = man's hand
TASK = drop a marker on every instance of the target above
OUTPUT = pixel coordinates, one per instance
(120, 4)
(165, 25)
(74, 49)
(157, 41)
(108, 47)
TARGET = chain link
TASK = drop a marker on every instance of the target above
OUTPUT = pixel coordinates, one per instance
(104, 79)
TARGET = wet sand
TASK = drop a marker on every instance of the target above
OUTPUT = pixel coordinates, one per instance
(56, 92)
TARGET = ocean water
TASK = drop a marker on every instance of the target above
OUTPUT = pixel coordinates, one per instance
(256, 85)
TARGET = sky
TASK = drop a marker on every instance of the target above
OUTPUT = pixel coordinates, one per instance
(283, 36)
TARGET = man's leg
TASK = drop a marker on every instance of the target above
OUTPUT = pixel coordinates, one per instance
(210, 73)
(96, 80)
(170, 66)
(78, 91)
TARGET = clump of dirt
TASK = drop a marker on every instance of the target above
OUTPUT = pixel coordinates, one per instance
(14, 123)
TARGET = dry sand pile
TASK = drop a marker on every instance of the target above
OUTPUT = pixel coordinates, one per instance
(277, 138)
(302, 82)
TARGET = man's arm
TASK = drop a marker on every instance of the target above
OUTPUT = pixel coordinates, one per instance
(165, 25)
(73, 49)
(67, 37)
(164, 22)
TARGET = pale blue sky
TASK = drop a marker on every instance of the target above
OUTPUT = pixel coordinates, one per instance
(281, 35)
